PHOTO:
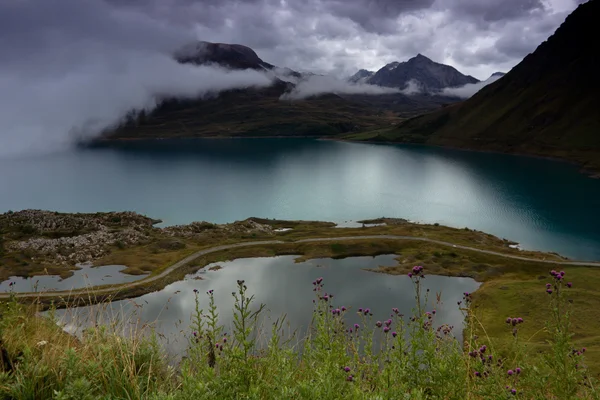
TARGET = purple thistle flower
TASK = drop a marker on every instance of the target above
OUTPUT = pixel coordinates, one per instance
(395, 310)
(553, 272)
(548, 285)
(325, 298)
(343, 308)
(349, 378)
(195, 290)
(519, 320)
(549, 291)
(319, 281)
(195, 333)
(360, 310)
(217, 345)
(386, 329)
(314, 283)
(583, 350)
(483, 348)
(367, 311)
(478, 374)
(433, 312)
(356, 326)
(569, 284)
(508, 320)
(347, 369)
(513, 391)
(562, 273)
(388, 322)
(394, 334)
(410, 274)
(378, 324)
(518, 370)
(510, 372)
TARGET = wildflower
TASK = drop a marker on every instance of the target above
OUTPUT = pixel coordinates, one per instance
(314, 283)
(510, 372)
(513, 391)
(433, 312)
(386, 329)
(378, 324)
(478, 374)
(349, 378)
(343, 308)
(553, 273)
(195, 290)
(217, 345)
(195, 333)
(569, 284)
(562, 273)
(518, 370)
(549, 291)
(519, 320)
(367, 311)
(347, 369)
(483, 348)
(395, 310)
(394, 334)
(410, 274)
(388, 322)
(325, 298)
(360, 310)
(508, 320)
(356, 326)
(548, 285)
(319, 281)
(583, 350)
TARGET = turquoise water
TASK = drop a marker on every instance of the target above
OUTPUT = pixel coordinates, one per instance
(542, 204)
(285, 287)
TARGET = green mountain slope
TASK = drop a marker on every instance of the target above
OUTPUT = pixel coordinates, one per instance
(547, 105)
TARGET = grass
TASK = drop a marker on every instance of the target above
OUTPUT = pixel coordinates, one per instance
(407, 357)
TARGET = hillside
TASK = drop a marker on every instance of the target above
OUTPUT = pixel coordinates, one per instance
(547, 105)
(254, 112)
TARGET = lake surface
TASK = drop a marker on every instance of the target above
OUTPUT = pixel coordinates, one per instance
(541, 204)
(87, 276)
(285, 287)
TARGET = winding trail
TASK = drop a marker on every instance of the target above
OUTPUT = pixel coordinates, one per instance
(192, 257)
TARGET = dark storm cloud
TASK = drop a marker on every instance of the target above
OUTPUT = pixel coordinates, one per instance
(340, 36)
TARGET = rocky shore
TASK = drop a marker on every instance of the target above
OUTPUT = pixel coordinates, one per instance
(53, 238)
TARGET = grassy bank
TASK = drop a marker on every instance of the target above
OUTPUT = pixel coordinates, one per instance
(414, 358)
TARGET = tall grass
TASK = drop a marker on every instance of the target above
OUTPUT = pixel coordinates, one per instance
(404, 357)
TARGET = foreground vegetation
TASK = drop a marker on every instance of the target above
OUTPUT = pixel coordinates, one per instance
(401, 358)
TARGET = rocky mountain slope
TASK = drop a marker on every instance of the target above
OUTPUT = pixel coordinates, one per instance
(547, 105)
(362, 76)
(420, 70)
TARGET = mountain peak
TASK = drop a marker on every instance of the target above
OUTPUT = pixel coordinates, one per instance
(420, 57)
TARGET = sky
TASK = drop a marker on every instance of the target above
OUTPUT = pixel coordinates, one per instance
(73, 68)
(338, 37)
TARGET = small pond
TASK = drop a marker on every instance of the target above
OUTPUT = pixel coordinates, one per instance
(285, 287)
(87, 276)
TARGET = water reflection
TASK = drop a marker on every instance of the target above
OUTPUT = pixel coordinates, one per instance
(286, 289)
(87, 276)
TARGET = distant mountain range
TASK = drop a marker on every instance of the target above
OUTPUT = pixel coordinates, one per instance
(547, 105)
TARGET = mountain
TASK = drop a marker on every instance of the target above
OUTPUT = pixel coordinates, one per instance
(547, 105)
(496, 75)
(361, 76)
(427, 74)
(233, 56)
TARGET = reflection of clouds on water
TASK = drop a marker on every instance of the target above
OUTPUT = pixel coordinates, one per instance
(87, 276)
(286, 288)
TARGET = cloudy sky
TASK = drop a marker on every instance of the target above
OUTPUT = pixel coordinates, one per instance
(339, 36)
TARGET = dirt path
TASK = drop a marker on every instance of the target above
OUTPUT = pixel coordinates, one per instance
(200, 253)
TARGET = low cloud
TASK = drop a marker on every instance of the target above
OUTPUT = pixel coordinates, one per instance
(468, 90)
(65, 79)
(316, 85)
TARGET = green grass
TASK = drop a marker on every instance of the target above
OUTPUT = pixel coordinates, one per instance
(410, 360)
